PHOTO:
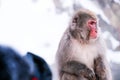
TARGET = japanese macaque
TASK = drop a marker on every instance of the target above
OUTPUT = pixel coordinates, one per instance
(81, 54)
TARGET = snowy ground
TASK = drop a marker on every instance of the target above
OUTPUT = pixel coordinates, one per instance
(33, 25)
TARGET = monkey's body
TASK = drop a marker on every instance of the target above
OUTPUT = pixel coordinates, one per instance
(85, 56)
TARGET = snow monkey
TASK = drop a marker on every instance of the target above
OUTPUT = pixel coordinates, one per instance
(81, 54)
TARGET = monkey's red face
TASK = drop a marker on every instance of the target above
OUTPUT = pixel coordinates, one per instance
(92, 24)
(84, 28)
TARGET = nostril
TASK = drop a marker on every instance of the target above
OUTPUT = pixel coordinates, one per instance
(96, 31)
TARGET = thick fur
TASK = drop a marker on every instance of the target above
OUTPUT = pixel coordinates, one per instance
(76, 45)
(79, 70)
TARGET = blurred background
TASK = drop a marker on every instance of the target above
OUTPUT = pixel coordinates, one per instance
(37, 26)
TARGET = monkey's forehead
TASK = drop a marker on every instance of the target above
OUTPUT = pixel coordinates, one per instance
(85, 12)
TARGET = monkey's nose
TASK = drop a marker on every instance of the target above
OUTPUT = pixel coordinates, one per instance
(96, 31)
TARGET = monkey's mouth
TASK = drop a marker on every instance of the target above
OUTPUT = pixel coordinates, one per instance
(93, 34)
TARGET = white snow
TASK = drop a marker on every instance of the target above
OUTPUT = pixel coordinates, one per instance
(88, 4)
(113, 56)
(117, 1)
(34, 26)
(108, 35)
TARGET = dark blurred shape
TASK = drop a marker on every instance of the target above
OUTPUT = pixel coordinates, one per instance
(41, 69)
(12, 65)
(15, 67)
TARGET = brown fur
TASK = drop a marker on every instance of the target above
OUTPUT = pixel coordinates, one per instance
(78, 56)
(77, 69)
(100, 69)
(78, 26)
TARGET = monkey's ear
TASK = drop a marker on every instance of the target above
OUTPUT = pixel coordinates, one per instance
(41, 68)
(73, 23)
(75, 19)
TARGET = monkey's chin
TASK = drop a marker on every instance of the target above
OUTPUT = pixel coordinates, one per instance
(93, 39)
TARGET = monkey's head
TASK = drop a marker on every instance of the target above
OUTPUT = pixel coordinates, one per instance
(83, 26)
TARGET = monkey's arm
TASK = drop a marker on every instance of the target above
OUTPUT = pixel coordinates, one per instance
(78, 69)
(101, 68)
